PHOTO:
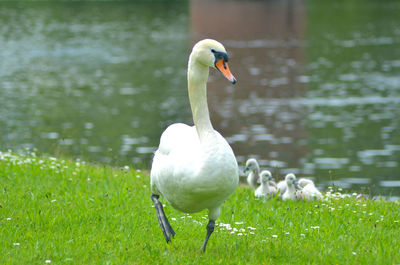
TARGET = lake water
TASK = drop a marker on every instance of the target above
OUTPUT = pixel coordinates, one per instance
(318, 90)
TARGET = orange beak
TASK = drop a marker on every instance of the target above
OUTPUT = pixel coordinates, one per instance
(222, 66)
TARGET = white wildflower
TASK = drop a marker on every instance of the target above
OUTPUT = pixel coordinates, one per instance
(274, 236)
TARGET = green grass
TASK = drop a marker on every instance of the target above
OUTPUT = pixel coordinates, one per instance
(70, 212)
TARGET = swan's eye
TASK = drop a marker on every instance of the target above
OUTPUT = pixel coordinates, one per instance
(219, 55)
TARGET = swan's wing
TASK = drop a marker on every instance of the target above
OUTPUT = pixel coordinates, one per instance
(176, 136)
(178, 144)
(192, 176)
(312, 192)
(304, 182)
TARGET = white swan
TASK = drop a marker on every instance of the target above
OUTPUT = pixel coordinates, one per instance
(282, 186)
(254, 175)
(305, 189)
(265, 190)
(253, 179)
(194, 167)
(291, 192)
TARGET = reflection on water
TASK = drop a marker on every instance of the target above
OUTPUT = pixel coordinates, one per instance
(91, 80)
(316, 98)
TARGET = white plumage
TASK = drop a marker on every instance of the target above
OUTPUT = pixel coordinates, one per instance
(291, 192)
(309, 191)
(305, 190)
(193, 176)
(265, 190)
(253, 178)
(194, 167)
(281, 187)
(254, 175)
(303, 182)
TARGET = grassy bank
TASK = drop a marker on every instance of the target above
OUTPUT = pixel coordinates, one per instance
(68, 212)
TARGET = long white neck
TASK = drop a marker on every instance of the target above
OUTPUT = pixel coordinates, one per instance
(256, 170)
(265, 187)
(255, 175)
(252, 180)
(197, 80)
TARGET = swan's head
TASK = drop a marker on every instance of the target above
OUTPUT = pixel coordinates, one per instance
(265, 176)
(212, 54)
(251, 165)
(291, 179)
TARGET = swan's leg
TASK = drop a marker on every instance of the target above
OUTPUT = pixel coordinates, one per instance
(162, 219)
(210, 229)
